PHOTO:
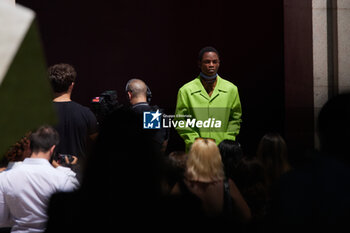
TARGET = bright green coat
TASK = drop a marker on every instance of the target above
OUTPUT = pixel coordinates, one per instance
(223, 105)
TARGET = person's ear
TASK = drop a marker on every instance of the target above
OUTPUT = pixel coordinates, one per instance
(70, 88)
(129, 95)
(52, 149)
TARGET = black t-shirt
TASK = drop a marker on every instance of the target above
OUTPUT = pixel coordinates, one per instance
(158, 135)
(75, 124)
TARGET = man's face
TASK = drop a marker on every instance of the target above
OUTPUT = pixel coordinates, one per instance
(210, 63)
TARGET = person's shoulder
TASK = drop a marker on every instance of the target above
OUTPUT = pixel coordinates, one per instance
(2, 175)
(62, 179)
(77, 105)
(37, 167)
(227, 84)
(81, 108)
(14, 170)
(141, 107)
(191, 85)
(70, 105)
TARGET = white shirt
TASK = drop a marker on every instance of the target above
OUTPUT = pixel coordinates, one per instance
(72, 175)
(12, 165)
(25, 192)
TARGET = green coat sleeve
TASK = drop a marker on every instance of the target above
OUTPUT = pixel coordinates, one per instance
(234, 123)
(188, 134)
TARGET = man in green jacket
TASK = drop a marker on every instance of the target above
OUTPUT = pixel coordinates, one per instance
(208, 106)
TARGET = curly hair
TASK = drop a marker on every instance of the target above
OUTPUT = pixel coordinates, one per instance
(61, 77)
(19, 151)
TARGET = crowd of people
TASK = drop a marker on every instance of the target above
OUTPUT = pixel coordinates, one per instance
(82, 175)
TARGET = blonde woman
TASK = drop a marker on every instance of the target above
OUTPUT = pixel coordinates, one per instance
(204, 177)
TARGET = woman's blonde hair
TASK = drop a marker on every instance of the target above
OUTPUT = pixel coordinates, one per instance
(204, 162)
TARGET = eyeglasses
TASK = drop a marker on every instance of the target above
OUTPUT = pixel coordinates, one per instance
(205, 139)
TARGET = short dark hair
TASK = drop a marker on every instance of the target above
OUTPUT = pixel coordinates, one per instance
(61, 77)
(206, 50)
(231, 153)
(43, 139)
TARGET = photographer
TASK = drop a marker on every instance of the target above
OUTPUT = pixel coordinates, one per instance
(64, 163)
(25, 190)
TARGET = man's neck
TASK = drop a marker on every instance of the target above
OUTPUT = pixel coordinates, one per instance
(41, 155)
(62, 97)
(137, 100)
(209, 86)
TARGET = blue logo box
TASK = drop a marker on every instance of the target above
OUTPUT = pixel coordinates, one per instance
(151, 120)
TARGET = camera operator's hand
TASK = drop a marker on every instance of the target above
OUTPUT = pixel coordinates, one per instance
(56, 163)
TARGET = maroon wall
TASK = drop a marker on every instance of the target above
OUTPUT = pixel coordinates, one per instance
(299, 75)
(111, 41)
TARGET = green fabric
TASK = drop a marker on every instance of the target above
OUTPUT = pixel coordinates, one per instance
(223, 105)
(25, 93)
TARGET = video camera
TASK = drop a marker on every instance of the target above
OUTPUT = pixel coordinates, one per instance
(104, 104)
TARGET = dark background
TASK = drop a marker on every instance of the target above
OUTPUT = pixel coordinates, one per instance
(109, 42)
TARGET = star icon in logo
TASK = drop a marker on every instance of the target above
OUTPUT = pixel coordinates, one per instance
(156, 115)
